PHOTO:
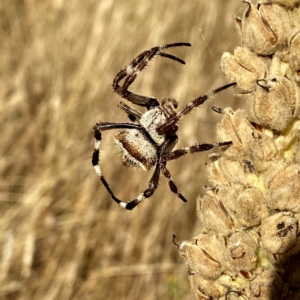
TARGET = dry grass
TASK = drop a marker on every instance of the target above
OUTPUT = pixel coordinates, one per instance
(62, 237)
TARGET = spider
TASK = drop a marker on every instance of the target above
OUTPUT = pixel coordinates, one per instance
(148, 141)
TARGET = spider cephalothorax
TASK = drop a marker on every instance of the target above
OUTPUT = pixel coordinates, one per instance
(147, 142)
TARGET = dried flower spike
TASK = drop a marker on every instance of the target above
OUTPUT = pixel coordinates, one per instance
(248, 247)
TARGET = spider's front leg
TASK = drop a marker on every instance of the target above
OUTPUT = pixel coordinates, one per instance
(130, 73)
(192, 105)
(192, 149)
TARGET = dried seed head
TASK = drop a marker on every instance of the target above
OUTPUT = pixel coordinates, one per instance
(236, 128)
(278, 21)
(281, 2)
(249, 143)
(234, 295)
(267, 285)
(250, 208)
(242, 251)
(288, 143)
(273, 104)
(244, 67)
(264, 28)
(222, 170)
(282, 184)
(243, 206)
(205, 256)
(254, 201)
(279, 65)
(206, 289)
(279, 233)
(213, 214)
(226, 171)
(294, 46)
(209, 258)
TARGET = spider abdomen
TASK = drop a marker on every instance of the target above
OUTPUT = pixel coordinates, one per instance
(136, 150)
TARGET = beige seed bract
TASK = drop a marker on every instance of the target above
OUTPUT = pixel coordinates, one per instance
(249, 246)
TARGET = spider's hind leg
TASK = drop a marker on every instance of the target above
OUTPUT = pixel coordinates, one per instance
(152, 186)
(172, 185)
(167, 148)
(96, 164)
(179, 153)
(153, 183)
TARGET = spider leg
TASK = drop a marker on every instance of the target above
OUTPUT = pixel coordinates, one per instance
(195, 103)
(192, 149)
(153, 183)
(179, 153)
(172, 185)
(103, 126)
(167, 147)
(130, 73)
(96, 164)
(133, 114)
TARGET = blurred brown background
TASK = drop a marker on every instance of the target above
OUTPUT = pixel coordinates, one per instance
(62, 237)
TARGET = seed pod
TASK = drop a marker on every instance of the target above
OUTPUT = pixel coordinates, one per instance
(294, 45)
(236, 128)
(242, 251)
(249, 208)
(264, 28)
(233, 295)
(282, 183)
(267, 285)
(224, 170)
(279, 233)
(228, 208)
(249, 143)
(273, 104)
(213, 214)
(206, 289)
(205, 256)
(281, 2)
(244, 67)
